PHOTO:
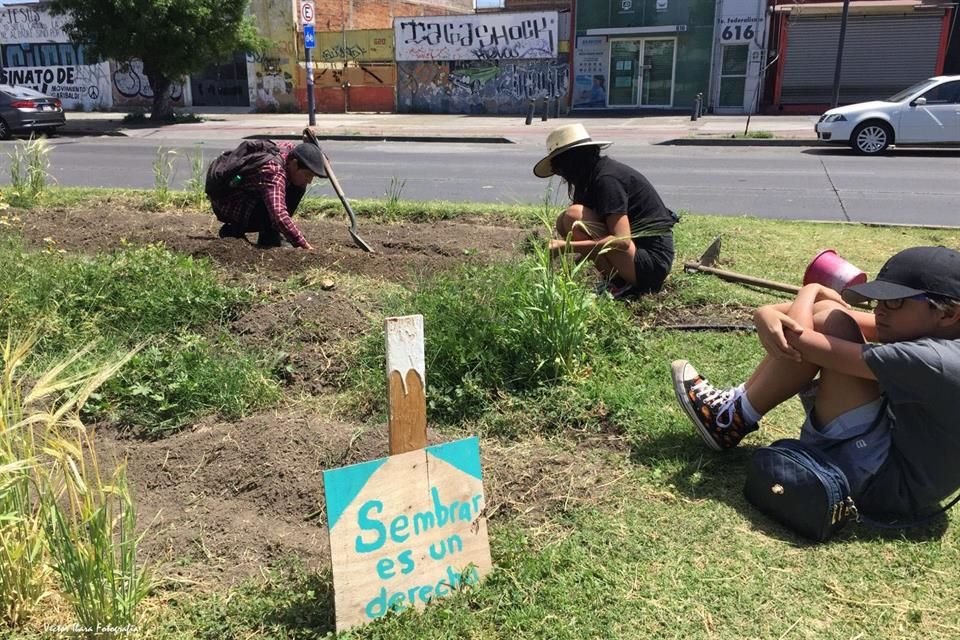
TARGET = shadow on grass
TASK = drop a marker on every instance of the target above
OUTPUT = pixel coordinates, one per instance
(720, 476)
(310, 610)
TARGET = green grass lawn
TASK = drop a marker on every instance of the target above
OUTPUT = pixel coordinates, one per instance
(647, 537)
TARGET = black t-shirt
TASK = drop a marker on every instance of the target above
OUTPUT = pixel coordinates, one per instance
(615, 188)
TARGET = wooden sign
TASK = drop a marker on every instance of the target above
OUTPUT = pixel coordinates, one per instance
(406, 530)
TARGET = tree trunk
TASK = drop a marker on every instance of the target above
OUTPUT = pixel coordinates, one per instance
(162, 103)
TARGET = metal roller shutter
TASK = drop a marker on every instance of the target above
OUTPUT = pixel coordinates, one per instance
(881, 56)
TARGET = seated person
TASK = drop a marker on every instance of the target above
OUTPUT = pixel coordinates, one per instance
(878, 387)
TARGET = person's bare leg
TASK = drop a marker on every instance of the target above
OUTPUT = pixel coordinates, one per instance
(776, 380)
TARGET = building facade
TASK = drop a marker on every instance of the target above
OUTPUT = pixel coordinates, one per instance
(888, 46)
(642, 54)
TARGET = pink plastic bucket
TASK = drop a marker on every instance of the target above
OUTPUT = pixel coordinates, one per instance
(831, 270)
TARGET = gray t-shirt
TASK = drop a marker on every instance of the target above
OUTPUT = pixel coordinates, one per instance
(921, 379)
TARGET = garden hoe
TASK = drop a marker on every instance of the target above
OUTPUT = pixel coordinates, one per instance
(357, 240)
(709, 258)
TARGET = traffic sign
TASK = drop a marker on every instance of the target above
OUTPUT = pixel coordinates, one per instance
(306, 12)
(309, 37)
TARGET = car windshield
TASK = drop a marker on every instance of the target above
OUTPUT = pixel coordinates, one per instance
(906, 93)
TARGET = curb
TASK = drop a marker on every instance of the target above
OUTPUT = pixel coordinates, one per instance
(744, 142)
(387, 138)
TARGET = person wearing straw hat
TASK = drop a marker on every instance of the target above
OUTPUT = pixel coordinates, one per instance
(879, 388)
(616, 218)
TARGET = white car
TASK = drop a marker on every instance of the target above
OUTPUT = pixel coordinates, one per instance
(925, 114)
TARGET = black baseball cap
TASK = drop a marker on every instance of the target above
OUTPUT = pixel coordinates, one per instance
(310, 156)
(912, 272)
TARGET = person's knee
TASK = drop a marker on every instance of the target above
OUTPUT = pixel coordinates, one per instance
(833, 321)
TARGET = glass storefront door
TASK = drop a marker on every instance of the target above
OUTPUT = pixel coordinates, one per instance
(641, 72)
(658, 72)
(624, 66)
(733, 75)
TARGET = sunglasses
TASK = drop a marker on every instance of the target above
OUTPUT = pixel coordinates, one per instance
(896, 303)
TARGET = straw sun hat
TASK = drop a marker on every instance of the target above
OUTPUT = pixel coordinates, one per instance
(569, 136)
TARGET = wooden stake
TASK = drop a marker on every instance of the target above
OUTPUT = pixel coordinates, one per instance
(406, 381)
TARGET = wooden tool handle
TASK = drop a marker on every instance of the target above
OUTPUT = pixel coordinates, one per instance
(739, 277)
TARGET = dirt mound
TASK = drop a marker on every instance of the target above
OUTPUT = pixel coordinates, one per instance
(223, 500)
(402, 251)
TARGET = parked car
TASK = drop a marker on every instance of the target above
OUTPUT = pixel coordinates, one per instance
(925, 114)
(23, 109)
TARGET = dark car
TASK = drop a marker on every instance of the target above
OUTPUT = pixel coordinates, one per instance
(24, 109)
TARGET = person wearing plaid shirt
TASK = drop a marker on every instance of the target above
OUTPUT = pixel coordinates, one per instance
(265, 202)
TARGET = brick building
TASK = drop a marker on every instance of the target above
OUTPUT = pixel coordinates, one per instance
(336, 15)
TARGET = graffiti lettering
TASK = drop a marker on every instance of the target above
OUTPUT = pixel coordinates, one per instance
(461, 37)
(42, 54)
(130, 82)
(24, 23)
(340, 52)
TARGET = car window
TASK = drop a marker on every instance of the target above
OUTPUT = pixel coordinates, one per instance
(909, 91)
(947, 93)
(20, 92)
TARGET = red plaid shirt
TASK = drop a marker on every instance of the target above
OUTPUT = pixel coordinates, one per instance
(271, 186)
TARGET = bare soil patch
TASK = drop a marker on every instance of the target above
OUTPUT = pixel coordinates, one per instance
(401, 251)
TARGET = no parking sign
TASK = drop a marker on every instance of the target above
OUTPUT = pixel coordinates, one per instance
(306, 13)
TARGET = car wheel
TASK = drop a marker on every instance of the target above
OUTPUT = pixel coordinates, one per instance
(871, 138)
(4, 130)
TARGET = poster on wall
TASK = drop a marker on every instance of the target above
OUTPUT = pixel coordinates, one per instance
(505, 36)
(590, 73)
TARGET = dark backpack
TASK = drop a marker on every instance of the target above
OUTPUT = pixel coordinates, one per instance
(233, 168)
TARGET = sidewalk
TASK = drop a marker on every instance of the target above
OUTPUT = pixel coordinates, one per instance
(710, 129)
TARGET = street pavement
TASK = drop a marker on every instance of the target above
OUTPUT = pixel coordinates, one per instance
(236, 124)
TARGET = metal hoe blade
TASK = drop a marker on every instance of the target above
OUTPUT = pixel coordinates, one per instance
(352, 229)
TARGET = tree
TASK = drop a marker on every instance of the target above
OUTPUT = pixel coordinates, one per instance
(173, 38)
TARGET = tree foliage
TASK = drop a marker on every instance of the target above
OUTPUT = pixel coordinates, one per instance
(173, 38)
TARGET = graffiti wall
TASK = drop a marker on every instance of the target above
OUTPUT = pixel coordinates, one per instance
(37, 53)
(486, 63)
(477, 37)
(478, 87)
(275, 74)
(132, 89)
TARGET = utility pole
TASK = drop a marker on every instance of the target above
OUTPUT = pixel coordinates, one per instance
(836, 69)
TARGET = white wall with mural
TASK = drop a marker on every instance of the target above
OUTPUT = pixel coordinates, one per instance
(36, 52)
(738, 55)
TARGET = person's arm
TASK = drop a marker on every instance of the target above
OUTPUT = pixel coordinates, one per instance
(831, 353)
(274, 190)
(617, 237)
(773, 321)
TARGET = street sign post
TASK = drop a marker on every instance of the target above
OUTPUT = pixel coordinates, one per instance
(309, 42)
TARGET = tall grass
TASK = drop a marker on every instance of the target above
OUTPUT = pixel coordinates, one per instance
(392, 194)
(497, 329)
(24, 576)
(554, 311)
(29, 171)
(195, 194)
(163, 175)
(58, 514)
